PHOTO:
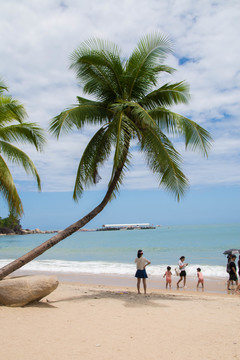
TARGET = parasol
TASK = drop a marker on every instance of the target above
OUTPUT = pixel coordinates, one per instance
(232, 252)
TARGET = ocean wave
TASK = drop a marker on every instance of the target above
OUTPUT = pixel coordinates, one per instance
(100, 267)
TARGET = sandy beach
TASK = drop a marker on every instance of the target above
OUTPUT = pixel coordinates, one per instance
(89, 321)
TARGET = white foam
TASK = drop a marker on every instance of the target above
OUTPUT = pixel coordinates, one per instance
(97, 267)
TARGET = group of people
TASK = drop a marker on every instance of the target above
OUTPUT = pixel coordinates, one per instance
(142, 262)
(141, 274)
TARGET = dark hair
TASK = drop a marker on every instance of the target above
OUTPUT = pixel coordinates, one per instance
(182, 257)
(139, 253)
(169, 268)
(198, 269)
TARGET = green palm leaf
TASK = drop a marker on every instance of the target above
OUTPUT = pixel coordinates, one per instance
(164, 161)
(8, 189)
(13, 128)
(18, 157)
(3, 86)
(141, 76)
(97, 64)
(77, 116)
(24, 132)
(96, 152)
(167, 95)
(10, 110)
(196, 137)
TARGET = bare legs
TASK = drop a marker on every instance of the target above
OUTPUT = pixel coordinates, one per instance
(184, 281)
(199, 282)
(179, 281)
(144, 285)
(138, 285)
(230, 282)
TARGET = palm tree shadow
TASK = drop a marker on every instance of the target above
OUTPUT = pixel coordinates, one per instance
(130, 299)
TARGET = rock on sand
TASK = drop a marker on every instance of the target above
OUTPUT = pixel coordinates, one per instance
(22, 290)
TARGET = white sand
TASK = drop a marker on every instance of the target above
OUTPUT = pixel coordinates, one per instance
(103, 322)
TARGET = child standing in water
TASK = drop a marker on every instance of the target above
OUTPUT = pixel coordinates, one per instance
(200, 278)
(168, 275)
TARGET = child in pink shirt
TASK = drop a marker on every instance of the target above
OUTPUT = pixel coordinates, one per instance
(168, 275)
(200, 278)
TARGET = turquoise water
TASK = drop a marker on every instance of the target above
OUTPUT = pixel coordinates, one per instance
(115, 251)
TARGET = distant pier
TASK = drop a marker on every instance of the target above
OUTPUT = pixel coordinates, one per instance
(138, 226)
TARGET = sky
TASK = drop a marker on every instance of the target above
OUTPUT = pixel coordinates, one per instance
(37, 39)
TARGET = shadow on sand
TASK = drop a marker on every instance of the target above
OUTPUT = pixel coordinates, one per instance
(129, 298)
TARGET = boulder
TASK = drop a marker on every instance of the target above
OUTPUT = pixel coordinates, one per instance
(22, 290)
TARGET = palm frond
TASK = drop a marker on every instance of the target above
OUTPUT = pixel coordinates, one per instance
(8, 189)
(96, 153)
(11, 109)
(3, 86)
(140, 75)
(29, 133)
(164, 161)
(98, 65)
(17, 156)
(196, 137)
(86, 112)
(167, 95)
(164, 68)
(142, 117)
(123, 134)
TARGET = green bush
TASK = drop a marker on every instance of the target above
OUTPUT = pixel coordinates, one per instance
(11, 222)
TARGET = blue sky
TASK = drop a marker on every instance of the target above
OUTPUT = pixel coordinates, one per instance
(37, 39)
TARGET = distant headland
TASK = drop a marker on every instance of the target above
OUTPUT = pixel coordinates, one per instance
(8, 231)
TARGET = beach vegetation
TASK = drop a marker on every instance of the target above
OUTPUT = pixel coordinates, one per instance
(130, 109)
(10, 224)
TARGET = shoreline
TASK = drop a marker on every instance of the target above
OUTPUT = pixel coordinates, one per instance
(214, 286)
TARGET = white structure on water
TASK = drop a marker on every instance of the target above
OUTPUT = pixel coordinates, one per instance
(126, 225)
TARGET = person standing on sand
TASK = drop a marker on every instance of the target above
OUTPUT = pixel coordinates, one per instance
(233, 272)
(168, 275)
(239, 265)
(183, 274)
(141, 263)
(200, 278)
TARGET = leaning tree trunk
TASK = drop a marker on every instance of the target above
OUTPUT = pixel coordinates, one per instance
(31, 255)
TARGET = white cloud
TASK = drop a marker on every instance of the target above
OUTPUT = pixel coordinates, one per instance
(37, 39)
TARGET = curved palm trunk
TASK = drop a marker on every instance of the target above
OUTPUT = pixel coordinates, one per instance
(31, 255)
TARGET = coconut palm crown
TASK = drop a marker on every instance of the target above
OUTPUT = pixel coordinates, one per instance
(130, 106)
(13, 129)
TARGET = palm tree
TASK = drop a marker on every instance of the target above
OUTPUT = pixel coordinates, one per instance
(14, 129)
(129, 108)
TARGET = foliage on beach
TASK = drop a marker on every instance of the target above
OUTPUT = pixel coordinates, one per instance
(131, 110)
(13, 129)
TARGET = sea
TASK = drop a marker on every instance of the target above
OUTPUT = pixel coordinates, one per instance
(114, 252)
